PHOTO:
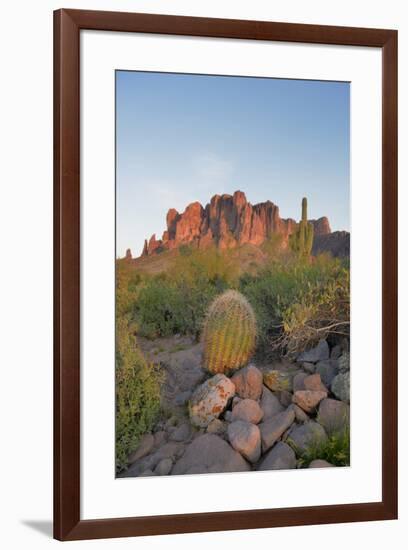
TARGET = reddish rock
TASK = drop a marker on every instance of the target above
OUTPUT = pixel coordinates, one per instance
(308, 399)
(248, 382)
(313, 382)
(321, 226)
(172, 217)
(145, 250)
(248, 410)
(246, 439)
(188, 225)
(227, 221)
(153, 245)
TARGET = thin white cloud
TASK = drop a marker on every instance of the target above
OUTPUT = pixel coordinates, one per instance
(211, 169)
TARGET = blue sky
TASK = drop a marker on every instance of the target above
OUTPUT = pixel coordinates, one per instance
(183, 138)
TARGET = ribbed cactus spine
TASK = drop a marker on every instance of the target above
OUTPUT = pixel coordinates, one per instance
(229, 333)
(301, 241)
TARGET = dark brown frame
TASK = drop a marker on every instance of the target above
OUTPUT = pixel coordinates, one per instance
(67, 26)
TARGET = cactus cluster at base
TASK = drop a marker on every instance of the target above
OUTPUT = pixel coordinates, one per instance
(229, 333)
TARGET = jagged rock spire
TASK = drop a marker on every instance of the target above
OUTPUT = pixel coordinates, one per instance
(226, 221)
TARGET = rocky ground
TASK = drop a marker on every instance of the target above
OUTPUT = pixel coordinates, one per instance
(263, 417)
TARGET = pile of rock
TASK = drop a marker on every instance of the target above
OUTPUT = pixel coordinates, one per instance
(258, 419)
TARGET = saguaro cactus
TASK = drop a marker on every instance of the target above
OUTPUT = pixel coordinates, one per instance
(301, 241)
(229, 333)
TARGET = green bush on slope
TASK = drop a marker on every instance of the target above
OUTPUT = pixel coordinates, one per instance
(137, 393)
(297, 303)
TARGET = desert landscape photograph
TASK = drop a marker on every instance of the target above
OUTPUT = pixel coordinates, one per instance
(232, 296)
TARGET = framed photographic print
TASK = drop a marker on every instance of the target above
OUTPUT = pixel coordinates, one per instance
(225, 274)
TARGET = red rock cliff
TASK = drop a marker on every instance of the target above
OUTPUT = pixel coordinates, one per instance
(227, 221)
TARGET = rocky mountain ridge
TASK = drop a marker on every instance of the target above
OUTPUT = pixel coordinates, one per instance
(227, 221)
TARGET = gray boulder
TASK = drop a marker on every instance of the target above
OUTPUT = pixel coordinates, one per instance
(160, 438)
(145, 446)
(246, 439)
(270, 404)
(182, 433)
(182, 369)
(335, 352)
(304, 436)
(318, 353)
(147, 473)
(164, 467)
(344, 362)
(171, 422)
(327, 370)
(285, 398)
(309, 367)
(334, 415)
(341, 386)
(216, 426)
(201, 431)
(227, 416)
(274, 428)
(172, 449)
(236, 400)
(182, 398)
(280, 457)
(300, 415)
(298, 381)
(210, 453)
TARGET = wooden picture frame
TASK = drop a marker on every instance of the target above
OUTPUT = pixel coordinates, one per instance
(67, 483)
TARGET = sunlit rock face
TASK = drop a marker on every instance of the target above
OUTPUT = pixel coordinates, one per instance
(226, 221)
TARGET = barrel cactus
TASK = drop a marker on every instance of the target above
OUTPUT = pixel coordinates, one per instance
(229, 333)
(301, 241)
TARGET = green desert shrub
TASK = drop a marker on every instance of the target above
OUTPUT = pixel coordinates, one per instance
(185, 250)
(167, 307)
(273, 247)
(296, 300)
(229, 333)
(208, 266)
(137, 393)
(176, 302)
(297, 303)
(128, 285)
(160, 309)
(269, 292)
(321, 311)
